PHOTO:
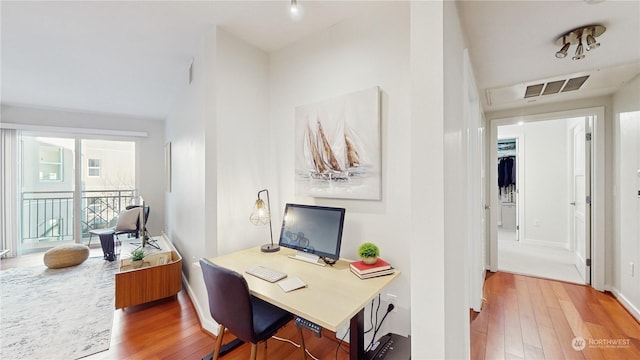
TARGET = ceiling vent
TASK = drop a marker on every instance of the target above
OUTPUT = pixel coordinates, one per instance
(562, 88)
(575, 83)
(555, 87)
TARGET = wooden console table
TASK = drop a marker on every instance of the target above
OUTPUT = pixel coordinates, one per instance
(151, 282)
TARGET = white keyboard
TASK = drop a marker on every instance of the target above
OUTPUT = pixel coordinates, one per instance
(265, 273)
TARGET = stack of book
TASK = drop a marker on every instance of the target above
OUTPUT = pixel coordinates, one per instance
(366, 271)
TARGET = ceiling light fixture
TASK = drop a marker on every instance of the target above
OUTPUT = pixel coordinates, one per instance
(563, 51)
(574, 37)
(294, 6)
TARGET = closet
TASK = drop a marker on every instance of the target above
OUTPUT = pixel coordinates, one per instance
(508, 190)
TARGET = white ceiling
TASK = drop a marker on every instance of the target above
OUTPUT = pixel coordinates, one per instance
(129, 57)
(513, 43)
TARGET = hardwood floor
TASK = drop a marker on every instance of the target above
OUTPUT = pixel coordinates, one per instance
(522, 318)
(170, 329)
(530, 318)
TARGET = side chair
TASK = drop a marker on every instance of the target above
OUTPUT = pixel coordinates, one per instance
(231, 305)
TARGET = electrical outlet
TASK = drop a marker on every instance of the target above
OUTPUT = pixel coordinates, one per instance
(391, 299)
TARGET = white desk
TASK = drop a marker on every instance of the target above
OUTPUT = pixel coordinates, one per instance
(333, 295)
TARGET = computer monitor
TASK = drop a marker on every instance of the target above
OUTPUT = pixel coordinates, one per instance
(143, 217)
(315, 231)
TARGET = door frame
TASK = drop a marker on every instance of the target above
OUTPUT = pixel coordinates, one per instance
(597, 186)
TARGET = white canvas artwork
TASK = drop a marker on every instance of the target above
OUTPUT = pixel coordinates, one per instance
(338, 147)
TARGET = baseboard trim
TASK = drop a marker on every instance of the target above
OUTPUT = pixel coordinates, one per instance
(634, 311)
(551, 244)
(206, 322)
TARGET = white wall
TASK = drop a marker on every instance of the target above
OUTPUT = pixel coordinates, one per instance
(219, 132)
(371, 49)
(396, 47)
(457, 192)
(149, 149)
(545, 195)
(626, 286)
(191, 205)
(242, 143)
(427, 232)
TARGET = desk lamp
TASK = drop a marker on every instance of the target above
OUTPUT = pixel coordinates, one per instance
(260, 216)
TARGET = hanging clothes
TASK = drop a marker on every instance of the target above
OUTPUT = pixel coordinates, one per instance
(506, 172)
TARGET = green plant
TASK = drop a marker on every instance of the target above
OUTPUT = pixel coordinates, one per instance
(368, 250)
(137, 254)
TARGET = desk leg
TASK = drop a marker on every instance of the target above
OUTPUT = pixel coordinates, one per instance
(356, 336)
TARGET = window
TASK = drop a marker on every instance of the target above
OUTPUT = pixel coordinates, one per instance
(93, 168)
(50, 168)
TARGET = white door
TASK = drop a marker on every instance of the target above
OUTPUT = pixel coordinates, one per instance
(579, 207)
(629, 197)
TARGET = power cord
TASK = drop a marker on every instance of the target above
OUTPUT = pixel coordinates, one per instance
(294, 344)
(373, 301)
(389, 309)
(371, 314)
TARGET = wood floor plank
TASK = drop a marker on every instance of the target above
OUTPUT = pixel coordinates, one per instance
(557, 312)
(528, 325)
(564, 333)
(495, 328)
(513, 340)
(478, 344)
(550, 344)
(550, 298)
(538, 303)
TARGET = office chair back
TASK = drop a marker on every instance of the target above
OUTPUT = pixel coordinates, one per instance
(231, 305)
(229, 300)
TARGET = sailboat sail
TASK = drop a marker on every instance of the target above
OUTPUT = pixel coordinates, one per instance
(327, 153)
(353, 159)
(321, 153)
(317, 161)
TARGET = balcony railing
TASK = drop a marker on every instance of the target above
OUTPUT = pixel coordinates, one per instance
(48, 216)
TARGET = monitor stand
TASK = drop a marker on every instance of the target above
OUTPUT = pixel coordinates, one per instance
(307, 257)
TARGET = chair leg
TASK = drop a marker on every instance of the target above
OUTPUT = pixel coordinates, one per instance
(303, 348)
(254, 351)
(216, 351)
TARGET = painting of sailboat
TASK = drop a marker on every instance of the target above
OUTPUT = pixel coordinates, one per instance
(338, 147)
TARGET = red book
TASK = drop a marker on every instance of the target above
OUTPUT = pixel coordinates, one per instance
(362, 268)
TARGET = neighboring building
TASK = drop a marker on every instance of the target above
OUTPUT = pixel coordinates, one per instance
(107, 175)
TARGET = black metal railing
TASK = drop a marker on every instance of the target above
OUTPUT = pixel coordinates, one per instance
(48, 216)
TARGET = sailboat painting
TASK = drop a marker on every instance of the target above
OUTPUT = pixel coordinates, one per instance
(338, 147)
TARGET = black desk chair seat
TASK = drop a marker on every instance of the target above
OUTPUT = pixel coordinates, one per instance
(233, 307)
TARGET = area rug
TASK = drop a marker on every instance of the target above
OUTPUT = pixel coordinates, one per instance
(57, 313)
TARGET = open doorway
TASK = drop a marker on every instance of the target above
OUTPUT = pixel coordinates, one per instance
(551, 196)
(508, 161)
(534, 191)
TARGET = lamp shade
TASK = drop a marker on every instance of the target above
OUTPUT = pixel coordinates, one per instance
(261, 215)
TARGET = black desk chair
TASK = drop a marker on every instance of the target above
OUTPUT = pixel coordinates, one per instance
(232, 306)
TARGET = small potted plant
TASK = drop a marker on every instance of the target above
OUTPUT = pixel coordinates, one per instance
(369, 253)
(137, 255)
